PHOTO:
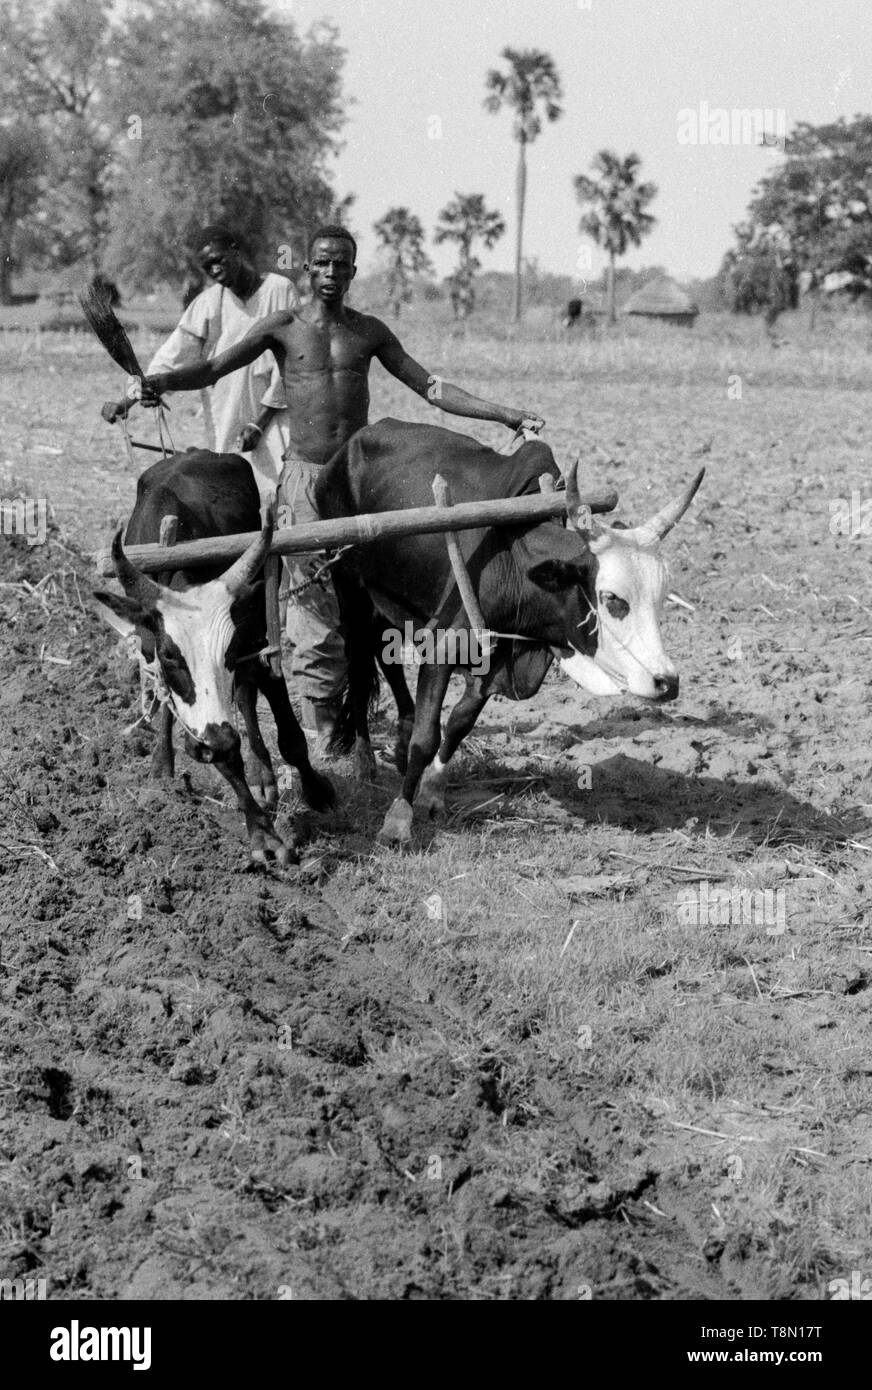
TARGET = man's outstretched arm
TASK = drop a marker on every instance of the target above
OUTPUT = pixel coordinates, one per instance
(258, 339)
(452, 399)
(183, 348)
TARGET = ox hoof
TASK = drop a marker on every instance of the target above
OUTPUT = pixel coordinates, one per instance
(430, 800)
(432, 805)
(363, 764)
(397, 828)
(318, 790)
(266, 845)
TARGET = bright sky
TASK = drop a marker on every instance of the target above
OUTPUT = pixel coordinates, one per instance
(628, 67)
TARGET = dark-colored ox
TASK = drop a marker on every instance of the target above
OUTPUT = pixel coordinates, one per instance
(587, 595)
(201, 634)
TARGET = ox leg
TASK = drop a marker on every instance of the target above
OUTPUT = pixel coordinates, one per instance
(432, 685)
(351, 734)
(396, 679)
(363, 764)
(317, 789)
(431, 797)
(163, 763)
(263, 840)
(258, 767)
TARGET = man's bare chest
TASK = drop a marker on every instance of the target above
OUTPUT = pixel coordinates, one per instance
(331, 350)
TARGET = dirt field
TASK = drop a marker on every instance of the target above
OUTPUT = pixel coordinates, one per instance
(510, 1064)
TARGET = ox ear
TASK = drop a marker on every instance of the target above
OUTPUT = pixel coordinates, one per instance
(249, 592)
(244, 599)
(124, 614)
(244, 605)
(241, 616)
(555, 576)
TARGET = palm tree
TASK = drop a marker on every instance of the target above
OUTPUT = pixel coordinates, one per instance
(617, 217)
(466, 220)
(531, 89)
(401, 234)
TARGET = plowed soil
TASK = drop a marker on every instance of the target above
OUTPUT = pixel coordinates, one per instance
(500, 1066)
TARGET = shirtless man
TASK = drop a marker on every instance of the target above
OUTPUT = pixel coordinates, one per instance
(324, 353)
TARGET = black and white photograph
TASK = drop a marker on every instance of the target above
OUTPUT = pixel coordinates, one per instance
(435, 627)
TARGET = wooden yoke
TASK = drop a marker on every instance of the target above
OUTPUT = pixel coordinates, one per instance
(169, 529)
(487, 640)
(272, 571)
(311, 536)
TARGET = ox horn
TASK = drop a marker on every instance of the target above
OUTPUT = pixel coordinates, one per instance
(575, 506)
(663, 521)
(243, 570)
(135, 584)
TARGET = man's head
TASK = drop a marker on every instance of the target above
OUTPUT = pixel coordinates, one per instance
(331, 263)
(220, 255)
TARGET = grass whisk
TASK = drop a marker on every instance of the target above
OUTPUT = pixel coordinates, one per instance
(102, 318)
(104, 322)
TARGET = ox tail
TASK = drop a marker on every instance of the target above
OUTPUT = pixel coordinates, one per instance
(360, 690)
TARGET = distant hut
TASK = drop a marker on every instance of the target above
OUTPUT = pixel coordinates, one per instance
(662, 299)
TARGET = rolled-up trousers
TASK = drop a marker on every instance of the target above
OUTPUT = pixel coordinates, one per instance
(318, 661)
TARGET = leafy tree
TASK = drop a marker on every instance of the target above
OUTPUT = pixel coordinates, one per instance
(226, 114)
(617, 201)
(759, 275)
(466, 221)
(402, 237)
(530, 88)
(21, 152)
(810, 218)
(55, 69)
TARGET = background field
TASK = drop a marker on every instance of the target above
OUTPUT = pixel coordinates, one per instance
(547, 1085)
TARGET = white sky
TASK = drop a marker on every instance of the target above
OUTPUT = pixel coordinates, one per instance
(627, 67)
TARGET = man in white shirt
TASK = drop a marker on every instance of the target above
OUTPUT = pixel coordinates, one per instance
(243, 413)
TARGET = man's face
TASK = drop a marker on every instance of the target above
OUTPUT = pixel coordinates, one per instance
(331, 268)
(221, 263)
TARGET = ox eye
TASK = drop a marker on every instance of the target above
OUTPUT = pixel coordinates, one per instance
(169, 659)
(173, 672)
(615, 607)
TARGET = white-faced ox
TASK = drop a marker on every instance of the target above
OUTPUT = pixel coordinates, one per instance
(585, 594)
(201, 635)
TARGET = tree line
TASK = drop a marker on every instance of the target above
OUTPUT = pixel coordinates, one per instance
(465, 220)
(616, 201)
(126, 128)
(809, 223)
(130, 128)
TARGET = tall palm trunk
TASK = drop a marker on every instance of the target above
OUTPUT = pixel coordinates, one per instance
(520, 198)
(9, 213)
(5, 271)
(613, 318)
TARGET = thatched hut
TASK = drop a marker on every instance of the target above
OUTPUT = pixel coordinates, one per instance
(662, 299)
